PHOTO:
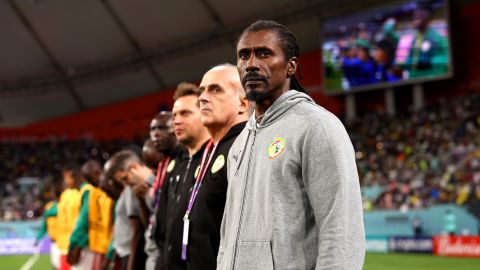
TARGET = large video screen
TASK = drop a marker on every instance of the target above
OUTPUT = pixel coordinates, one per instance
(398, 43)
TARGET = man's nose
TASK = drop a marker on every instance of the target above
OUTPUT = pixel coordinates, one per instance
(204, 97)
(252, 64)
(177, 121)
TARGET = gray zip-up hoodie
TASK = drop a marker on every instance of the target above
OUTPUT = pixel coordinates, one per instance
(293, 199)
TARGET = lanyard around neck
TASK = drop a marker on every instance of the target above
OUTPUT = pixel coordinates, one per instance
(201, 174)
(161, 172)
(159, 179)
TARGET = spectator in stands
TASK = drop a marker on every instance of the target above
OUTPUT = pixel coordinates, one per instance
(421, 158)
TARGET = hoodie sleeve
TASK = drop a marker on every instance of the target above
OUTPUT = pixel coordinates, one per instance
(221, 249)
(331, 181)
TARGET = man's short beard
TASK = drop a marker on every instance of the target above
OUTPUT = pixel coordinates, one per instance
(256, 96)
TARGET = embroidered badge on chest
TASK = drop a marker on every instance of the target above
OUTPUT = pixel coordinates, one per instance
(276, 148)
(171, 165)
(196, 171)
(218, 164)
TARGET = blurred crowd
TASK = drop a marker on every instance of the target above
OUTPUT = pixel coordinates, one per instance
(31, 172)
(418, 159)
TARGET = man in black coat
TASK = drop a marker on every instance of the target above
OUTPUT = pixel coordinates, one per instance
(193, 136)
(224, 112)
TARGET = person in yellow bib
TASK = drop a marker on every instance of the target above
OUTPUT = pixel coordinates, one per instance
(49, 227)
(68, 211)
(93, 230)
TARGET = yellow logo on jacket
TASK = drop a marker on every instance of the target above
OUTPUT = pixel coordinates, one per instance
(276, 148)
(218, 164)
(171, 165)
(196, 172)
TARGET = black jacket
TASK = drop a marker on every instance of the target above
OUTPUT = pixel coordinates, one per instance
(207, 211)
(178, 187)
(166, 193)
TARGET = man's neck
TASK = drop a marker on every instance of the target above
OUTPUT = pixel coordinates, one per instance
(92, 183)
(197, 144)
(218, 132)
(262, 107)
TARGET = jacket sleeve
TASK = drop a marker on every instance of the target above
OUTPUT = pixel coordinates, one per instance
(332, 185)
(221, 249)
(160, 211)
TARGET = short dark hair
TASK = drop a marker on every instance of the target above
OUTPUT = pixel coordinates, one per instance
(288, 42)
(287, 39)
(163, 114)
(75, 169)
(186, 89)
(88, 168)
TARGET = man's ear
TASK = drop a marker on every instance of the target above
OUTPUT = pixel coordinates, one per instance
(244, 105)
(292, 67)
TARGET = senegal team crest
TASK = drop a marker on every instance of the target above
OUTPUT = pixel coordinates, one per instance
(171, 165)
(196, 171)
(276, 148)
(218, 164)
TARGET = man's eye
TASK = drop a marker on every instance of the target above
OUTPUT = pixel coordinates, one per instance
(264, 54)
(243, 56)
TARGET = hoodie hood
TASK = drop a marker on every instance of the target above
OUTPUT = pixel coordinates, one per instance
(284, 103)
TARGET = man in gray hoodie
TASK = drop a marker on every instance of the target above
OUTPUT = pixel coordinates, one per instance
(293, 199)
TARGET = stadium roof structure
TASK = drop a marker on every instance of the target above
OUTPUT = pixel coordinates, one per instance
(58, 57)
